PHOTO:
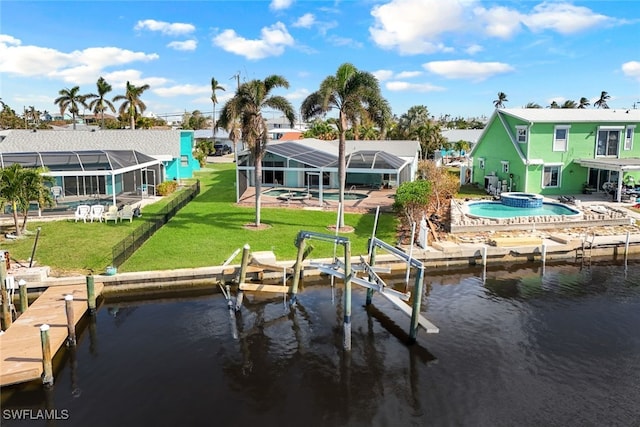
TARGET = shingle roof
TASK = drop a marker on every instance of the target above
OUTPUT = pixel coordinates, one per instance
(558, 115)
(155, 143)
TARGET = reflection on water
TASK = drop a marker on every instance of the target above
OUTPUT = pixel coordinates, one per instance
(516, 347)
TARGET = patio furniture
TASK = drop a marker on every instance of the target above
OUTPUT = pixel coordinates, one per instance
(111, 214)
(82, 212)
(96, 212)
(126, 213)
(57, 193)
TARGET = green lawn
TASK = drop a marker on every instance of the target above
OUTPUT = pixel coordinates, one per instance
(203, 233)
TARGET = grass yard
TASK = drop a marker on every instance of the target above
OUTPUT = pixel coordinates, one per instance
(203, 233)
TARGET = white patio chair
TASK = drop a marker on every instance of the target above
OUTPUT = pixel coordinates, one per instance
(57, 193)
(82, 212)
(96, 212)
(111, 214)
(126, 213)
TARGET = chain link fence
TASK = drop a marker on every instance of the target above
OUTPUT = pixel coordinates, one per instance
(122, 250)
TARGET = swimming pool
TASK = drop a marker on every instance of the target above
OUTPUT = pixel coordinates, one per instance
(499, 210)
(326, 195)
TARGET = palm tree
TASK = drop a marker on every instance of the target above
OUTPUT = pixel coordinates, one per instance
(100, 102)
(132, 104)
(569, 104)
(353, 93)
(554, 104)
(532, 105)
(246, 107)
(583, 103)
(72, 100)
(602, 102)
(19, 186)
(502, 98)
(215, 86)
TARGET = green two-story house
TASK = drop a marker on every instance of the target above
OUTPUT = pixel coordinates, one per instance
(558, 151)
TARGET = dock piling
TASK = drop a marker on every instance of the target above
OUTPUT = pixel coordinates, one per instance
(47, 365)
(91, 295)
(372, 263)
(417, 301)
(71, 327)
(347, 295)
(24, 300)
(246, 249)
(4, 294)
(293, 291)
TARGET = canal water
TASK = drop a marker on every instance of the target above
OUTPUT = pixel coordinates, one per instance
(518, 346)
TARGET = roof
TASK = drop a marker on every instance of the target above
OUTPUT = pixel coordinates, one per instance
(155, 143)
(302, 153)
(620, 165)
(556, 115)
(400, 148)
(469, 135)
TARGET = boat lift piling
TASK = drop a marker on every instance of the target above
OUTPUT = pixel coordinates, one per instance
(243, 274)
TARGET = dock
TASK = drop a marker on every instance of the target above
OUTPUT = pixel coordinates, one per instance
(20, 347)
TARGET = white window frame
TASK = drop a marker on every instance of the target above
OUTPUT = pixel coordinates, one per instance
(525, 129)
(557, 166)
(564, 142)
(505, 166)
(621, 134)
(481, 163)
(184, 161)
(628, 137)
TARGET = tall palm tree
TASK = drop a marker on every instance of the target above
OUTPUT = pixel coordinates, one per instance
(583, 103)
(569, 104)
(71, 99)
(353, 93)
(215, 86)
(132, 104)
(502, 98)
(554, 104)
(246, 107)
(602, 101)
(100, 102)
(532, 105)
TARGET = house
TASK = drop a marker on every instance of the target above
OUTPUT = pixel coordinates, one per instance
(87, 162)
(558, 151)
(313, 163)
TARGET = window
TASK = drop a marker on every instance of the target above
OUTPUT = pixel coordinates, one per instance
(628, 137)
(505, 167)
(560, 138)
(481, 163)
(184, 161)
(521, 134)
(608, 142)
(551, 176)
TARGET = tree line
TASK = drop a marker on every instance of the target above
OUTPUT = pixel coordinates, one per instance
(584, 102)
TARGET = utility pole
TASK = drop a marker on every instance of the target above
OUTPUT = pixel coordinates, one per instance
(237, 77)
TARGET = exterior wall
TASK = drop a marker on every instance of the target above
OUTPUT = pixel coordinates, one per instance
(184, 166)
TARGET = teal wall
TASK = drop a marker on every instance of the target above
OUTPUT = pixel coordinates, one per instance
(495, 146)
(175, 168)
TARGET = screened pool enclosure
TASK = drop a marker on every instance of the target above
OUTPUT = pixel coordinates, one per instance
(94, 173)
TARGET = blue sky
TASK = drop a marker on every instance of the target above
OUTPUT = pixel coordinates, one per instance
(453, 56)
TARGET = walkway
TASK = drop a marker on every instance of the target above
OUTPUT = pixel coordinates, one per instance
(20, 347)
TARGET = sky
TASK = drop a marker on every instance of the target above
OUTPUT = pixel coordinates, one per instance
(452, 56)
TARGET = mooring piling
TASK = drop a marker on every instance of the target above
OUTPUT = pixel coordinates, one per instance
(246, 250)
(372, 263)
(47, 365)
(4, 293)
(91, 294)
(417, 302)
(347, 295)
(71, 327)
(24, 300)
(293, 291)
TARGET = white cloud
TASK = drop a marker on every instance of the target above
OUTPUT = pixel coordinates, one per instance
(413, 26)
(184, 45)
(297, 94)
(165, 28)
(632, 69)
(344, 42)
(273, 41)
(305, 21)
(564, 18)
(383, 75)
(465, 69)
(79, 66)
(179, 90)
(280, 4)
(408, 74)
(499, 22)
(119, 79)
(473, 49)
(7, 39)
(399, 86)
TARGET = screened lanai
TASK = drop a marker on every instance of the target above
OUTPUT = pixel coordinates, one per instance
(94, 172)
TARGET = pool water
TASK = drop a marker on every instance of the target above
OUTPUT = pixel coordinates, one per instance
(498, 210)
(315, 194)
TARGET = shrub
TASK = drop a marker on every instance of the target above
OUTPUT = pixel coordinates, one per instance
(167, 187)
(412, 199)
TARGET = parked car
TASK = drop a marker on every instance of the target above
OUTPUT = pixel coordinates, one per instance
(221, 149)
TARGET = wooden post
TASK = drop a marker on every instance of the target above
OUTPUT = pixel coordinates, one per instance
(6, 308)
(417, 301)
(347, 295)
(293, 291)
(372, 263)
(24, 300)
(626, 249)
(91, 295)
(243, 274)
(47, 366)
(71, 327)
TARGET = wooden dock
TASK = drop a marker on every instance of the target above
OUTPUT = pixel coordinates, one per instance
(20, 347)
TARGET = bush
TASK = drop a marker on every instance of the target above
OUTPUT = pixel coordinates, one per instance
(167, 187)
(412, 199)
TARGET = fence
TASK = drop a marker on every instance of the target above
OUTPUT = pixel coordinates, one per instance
(122, 250)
